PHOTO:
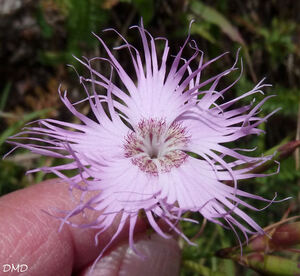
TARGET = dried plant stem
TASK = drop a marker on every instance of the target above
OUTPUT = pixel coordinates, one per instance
(199, 233)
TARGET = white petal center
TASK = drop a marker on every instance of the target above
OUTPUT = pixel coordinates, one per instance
(155, 148)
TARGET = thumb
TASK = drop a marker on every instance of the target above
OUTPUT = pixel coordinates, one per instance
(161, 258)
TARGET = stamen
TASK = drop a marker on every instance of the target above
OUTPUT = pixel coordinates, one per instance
(156, 148)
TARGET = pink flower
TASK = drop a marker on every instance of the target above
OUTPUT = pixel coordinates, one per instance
(158, 144)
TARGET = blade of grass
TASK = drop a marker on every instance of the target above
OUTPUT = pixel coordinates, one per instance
(213, 16)
(4, 96)
(19, 124)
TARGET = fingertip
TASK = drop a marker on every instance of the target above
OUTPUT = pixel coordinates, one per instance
(161, 258)
(32, 236)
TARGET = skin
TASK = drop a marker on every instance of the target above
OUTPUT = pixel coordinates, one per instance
(30, 236)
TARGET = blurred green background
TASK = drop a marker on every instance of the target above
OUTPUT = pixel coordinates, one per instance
(39, 37)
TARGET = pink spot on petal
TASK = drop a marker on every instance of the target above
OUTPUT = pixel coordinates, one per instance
(156, 148)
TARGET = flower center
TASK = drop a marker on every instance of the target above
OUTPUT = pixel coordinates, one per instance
(156, 148)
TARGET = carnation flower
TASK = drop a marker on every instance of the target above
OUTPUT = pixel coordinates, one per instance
(157, 144)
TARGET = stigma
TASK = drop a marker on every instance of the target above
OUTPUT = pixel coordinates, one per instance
(156, 147)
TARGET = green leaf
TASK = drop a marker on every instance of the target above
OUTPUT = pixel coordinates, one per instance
(213, 16)
(273, 265)
(145, 8)
(201, 269)
(16, 126)
(202, 30)
(4, 96)
(47, 30)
